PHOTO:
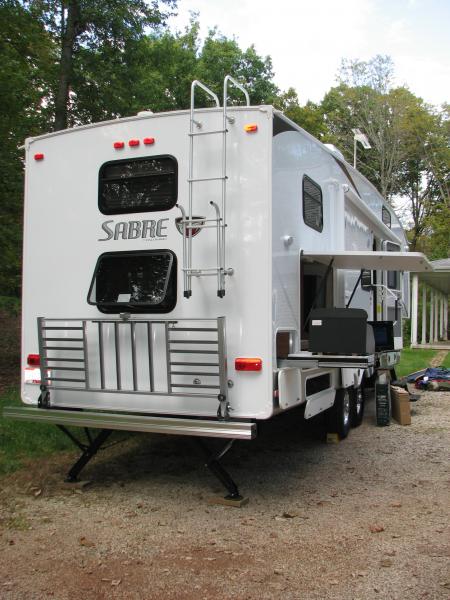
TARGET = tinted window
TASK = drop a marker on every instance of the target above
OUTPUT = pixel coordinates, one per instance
(312, 204)
(393, 280)
(386, 216)
(134, 282)
(138, 185)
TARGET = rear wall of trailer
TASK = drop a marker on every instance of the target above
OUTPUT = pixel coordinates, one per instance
(65, 232)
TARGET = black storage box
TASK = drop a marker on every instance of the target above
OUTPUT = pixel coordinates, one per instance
(384, 335)
(340, 331)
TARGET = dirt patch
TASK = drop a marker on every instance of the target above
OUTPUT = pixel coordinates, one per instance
(366, 518)
(437, 360)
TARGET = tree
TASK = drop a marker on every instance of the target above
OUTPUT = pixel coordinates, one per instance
(102, 27)
(26, 54)
(310, 117)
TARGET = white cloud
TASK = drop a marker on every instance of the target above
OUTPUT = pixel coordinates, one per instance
(307, 40)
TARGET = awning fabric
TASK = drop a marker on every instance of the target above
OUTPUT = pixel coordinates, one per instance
(383, 261)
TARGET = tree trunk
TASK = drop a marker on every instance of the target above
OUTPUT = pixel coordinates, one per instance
(69, 33)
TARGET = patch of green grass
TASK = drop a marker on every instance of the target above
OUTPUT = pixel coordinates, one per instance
(21, 440)
(446, 362)
(413, 359)
(10, 305)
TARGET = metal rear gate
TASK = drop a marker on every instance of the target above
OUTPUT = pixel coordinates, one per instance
(184, 357)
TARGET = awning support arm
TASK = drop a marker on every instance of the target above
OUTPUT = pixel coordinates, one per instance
(354, 289)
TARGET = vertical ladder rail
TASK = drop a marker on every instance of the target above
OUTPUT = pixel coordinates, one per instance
(228, 80)
(188, 262)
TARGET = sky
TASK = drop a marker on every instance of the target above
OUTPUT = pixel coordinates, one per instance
(308, 38)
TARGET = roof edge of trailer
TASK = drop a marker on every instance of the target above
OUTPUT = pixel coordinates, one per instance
(144, 114)
(342, 163)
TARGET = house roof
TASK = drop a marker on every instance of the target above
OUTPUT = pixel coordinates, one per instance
(439, 279)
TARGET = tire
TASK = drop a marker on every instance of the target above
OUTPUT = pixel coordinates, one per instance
(357, 402)
(338, 416)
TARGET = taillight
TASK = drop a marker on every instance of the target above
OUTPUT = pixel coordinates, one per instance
(149, 141)
(34, 360)
(248, 364)
(119, 145)
(133, 143)
(39, 156)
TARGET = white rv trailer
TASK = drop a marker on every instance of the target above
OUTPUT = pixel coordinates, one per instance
(197, 271)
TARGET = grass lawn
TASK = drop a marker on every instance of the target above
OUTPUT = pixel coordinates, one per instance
(414, 360)
(21, 440)
(446, 362)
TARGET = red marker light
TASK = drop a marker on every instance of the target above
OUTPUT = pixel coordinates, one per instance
(148, 141)
(132, 143)
(39, 156)
(251, 128)
(248, 364)
(119, 145)
(33, 360)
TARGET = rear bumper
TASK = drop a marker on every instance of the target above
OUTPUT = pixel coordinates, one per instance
(244, 430)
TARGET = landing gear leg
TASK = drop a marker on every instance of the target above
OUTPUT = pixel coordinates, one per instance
(213, 464)
(89, 450)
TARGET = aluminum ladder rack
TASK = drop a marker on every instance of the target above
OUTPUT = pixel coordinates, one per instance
(188, 221)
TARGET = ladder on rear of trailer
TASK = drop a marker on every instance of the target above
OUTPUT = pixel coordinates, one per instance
(189, 223)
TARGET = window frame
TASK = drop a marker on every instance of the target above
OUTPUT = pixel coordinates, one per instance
(386, 211)
(134, 209)
(118, 307)
(318, 229)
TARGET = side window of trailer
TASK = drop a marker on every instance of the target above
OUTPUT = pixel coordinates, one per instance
(139, 282)
(138, 185)
(392, 277)
(312, 201)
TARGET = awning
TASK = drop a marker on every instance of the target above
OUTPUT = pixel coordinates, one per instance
(383, 261)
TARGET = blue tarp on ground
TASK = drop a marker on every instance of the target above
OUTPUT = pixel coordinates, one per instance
(431, 378)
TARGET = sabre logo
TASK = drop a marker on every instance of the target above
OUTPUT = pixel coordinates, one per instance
(132, 230)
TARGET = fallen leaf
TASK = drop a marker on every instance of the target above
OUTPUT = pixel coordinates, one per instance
(37, 493)
(386, 562)
(116, 582)
(85, 542)
(288, 515)
(396, 504)
(445, 584)
(376, 528)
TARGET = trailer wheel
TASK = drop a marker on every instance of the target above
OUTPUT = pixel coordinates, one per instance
(356, 406)
(338, 416)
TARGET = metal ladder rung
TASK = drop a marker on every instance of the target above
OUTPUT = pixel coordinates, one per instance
(79, 349)
(63, 328)
(192, 364)
(194, 180)
(193, 385)
(211, 132)
(64, 360)
(194, 341)
(47, 339)
(67, 368)
(192, 329)
(195, 373)
(64, 379)
(193, 351)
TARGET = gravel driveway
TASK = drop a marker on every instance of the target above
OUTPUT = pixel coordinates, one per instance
(365, 518)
